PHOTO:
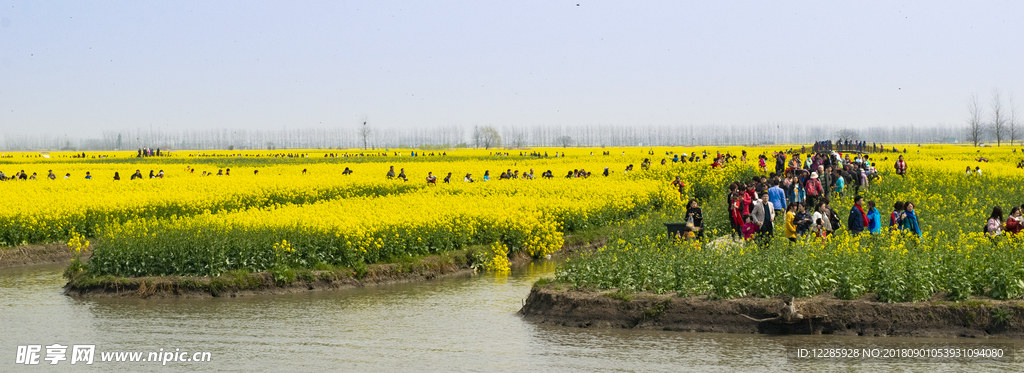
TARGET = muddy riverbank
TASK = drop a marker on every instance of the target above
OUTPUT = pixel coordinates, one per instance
(555, 304)
(36, 254)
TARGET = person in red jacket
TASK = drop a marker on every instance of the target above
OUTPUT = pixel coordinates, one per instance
(736, 214)
(1014, 222)
(814, 189)
(901, 167)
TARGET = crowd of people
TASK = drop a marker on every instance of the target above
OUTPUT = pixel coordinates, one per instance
(851, 146)
(802, 190)
(147, 152)
(508, 174)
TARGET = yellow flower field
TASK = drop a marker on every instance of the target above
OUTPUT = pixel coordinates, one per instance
(304, 197)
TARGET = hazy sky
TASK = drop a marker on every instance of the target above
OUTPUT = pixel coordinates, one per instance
(81, 67)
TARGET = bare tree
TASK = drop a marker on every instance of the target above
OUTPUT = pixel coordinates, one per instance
(847, 134)
(517, 137)
(490, 137)
(477, 136)
(975, 129)
(364, 132)
(565, 141)
(998, 119)
(1011, 122)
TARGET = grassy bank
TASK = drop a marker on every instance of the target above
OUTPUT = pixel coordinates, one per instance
(240, 282)
(476, 258)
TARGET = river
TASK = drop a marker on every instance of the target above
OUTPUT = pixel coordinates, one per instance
(454, 324)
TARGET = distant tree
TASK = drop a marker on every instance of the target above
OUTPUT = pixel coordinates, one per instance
(847, 134)
(1011, 122)
(564, 140)
(998, 119)
(477, 136)
(364, 132)
(975, 130)
(490, 137)
(517, 137)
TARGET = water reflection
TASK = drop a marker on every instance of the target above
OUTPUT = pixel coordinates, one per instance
(462, 324)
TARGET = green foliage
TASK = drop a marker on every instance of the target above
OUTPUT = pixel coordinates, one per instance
(360, 269)
(1001, 315)
(282, 276)
(543, 282)
(894, 267)
(620, 295)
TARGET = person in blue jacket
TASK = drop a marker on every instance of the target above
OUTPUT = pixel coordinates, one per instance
(910, 222)
(777, 197)
(874, 219)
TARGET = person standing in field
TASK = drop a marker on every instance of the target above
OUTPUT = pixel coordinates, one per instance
(874, 219)
(431, 179)
(994, 226)
(825, 178)
(814, 189)
(858, 218)
(448, 179)
(763, 214)
(840, 184)
(1014, 221)
(117, 176)
(822, 213)
(901, 167)
(749, 228)
(735, 214)
(679, 186)
(695, 219)
(777, 197)
(780, 162)
(896, 217)
(910, 221)
(790, 229)
(391, 173)
(802, 220)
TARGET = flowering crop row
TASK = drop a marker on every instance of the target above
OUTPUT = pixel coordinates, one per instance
(369, 229)
(952, 256)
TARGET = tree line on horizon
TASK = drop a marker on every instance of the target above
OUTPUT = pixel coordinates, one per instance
(367, 136)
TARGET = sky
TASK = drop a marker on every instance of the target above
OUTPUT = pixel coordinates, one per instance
(82, 67)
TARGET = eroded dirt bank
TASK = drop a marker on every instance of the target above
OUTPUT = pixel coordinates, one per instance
(825, 314)
(36, 254)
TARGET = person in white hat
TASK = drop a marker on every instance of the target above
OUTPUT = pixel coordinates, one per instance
(814, 190)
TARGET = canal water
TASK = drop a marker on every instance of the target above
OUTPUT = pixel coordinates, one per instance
(455, 324)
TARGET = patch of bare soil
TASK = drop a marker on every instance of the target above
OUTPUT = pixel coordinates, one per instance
(824, 314)
(36, 254)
